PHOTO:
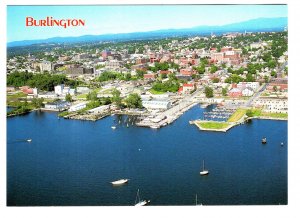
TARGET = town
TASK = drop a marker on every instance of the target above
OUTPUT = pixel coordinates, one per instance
(244, 74)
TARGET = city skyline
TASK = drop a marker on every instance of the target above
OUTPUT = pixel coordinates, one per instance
(125, 19)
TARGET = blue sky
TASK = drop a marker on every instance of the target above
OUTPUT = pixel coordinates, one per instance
(124, 19)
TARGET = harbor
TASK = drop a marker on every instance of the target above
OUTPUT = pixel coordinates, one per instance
(87, 156)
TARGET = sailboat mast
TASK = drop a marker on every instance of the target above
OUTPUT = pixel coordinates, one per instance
(203, 165)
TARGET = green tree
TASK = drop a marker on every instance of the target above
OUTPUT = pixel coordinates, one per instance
(68, 97)
(91, 96)
(209, 92)
(273, 74)
(116, 97)
(140, 73)
(224, 91)
(213, 68)
(249, 113)
(266, 78)
(38, 102)
(134, 101)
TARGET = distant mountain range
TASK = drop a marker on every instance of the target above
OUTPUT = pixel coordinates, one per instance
(255, 25)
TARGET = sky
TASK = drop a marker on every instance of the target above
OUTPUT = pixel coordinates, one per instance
(124, 19)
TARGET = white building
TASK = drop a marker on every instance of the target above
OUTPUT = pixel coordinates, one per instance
(57, 106)
(156, 104)
(46, 66)
(100, 109)
(272, 105)
(247, 92)
(77, 107)
(50, 95)
(82, 89)
(59, 89)
(252, 85)
(35, 91)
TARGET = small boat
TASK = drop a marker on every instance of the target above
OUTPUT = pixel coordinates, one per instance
(204, 105)
(264, 140)
(154, 127)
(120, 182)
(127, 125)
(197, 201)
(29, 140)
(203, 172)
(113, 127)
(112, 115)
(281, 143)
(138, 201)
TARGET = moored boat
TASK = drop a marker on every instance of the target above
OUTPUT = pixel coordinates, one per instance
(120, 182)
(204, 172)
(138, 201)
(264, 140)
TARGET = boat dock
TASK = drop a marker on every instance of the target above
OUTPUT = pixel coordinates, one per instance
(166, 117)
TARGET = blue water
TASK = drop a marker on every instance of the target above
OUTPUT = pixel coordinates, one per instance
(71, 162)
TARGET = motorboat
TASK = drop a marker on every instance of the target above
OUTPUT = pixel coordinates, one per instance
(264, 140)
(120, 182)
(113, 127)
(29, 140)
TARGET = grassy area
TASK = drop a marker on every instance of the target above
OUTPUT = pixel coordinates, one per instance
(15, 96)
(260, 113)
(154, 92)
(83, 96)
(237, 115)
(64, 113)
(106, 91)
(212, 125)
(274, 115)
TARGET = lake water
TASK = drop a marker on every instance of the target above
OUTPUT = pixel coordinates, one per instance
(71, 162)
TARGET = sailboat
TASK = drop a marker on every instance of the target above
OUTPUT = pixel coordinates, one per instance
(197, 201)
(203, 172)
(138, 201)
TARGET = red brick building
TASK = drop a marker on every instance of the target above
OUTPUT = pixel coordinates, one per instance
(235, 93)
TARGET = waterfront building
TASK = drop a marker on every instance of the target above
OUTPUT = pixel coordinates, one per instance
(77, 107)
(156, 104)
(50, 95)
(272, 105)
(99, 109)
(57, 105)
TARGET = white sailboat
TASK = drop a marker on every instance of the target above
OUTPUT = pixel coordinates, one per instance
(197, 201)
(29, 140)
(113, 127)
(203, 172)
(120, 182)
(138, 201)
